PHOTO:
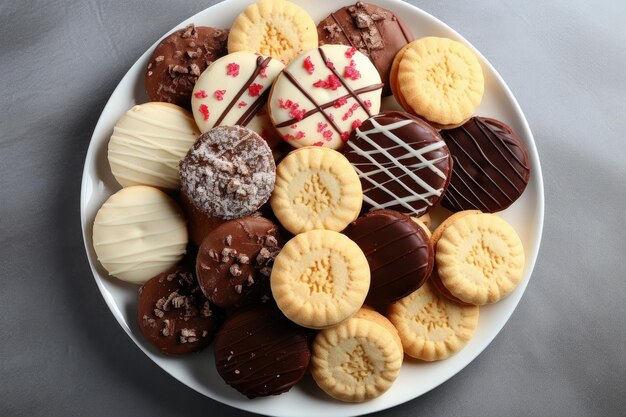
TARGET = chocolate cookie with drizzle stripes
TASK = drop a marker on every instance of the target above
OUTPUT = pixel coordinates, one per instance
(402, 161)
(323, 94)
(234, 91)
(398, 251)
(491, 167)
(260, 353)
(376, 32)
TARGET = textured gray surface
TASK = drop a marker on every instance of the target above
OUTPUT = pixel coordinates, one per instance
(562, 353)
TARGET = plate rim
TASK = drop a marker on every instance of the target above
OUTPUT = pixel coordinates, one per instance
(249, 406)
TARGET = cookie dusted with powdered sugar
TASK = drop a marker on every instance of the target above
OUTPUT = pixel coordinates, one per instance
(228, 173)
(402, 162)
(323, 94)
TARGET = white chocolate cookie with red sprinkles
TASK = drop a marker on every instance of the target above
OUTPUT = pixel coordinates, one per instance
(234, 91)
(323, 94)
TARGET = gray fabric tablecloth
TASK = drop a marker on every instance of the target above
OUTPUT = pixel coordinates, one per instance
(563, 353)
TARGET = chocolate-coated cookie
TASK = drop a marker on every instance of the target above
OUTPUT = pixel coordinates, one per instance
(235, 260)
(402, 162)
(174, 315)
(228, 173)
(178, 61)
(398, 252)
(491, 167)
(374, 31)
(260, 353)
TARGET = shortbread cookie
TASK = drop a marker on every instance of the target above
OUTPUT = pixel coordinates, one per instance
(174, 315)
(399, 254)
(436, 283)
(147, 144)
(259, 352)
(431, 327)
(320, 278)
(491, 168)
(480, 258)
(323, 94)
(357, 360)
(368, 313)
(376, 32)
(138, 233)
(228, 173)
(275, 28)
(316, 188)
(402, 162)
(178, 61)
(447, 222)
(234, 91)
(440, 80)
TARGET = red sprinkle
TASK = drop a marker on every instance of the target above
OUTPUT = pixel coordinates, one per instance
(232, 69)
(200, 94)
(294, 126)
(345, 136)
(262, 73)
(356, 123)
(299, 135)
(308, 65)
(330, 64)
(297, 113)
(321, 126)
(327, 135)
(350, 52)
(351, 72)
(350, 112)
(367, 103)
(255, 89)
(318, 143)
(285, 104)
(340, 102)
(204, 110)
(242, 104)
(219, 94)
(331, 117)
(331, 83)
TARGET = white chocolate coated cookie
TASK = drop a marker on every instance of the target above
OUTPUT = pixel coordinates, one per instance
(234, 90)
(147, 144)
(139, 232)
(323, 94)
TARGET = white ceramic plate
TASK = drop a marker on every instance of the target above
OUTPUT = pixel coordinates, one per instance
(198, 371)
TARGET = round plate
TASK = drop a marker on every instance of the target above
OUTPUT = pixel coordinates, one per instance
(198, 371)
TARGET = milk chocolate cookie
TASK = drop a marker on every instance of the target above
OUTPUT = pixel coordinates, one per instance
(228, 173)
(260, 353)
(402, 162)
(376, 32)
(235, 260)
(174, 315)
(491, 168)
(178, 61)
(398, 252)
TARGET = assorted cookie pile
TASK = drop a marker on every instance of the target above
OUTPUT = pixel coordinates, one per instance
(270, 206)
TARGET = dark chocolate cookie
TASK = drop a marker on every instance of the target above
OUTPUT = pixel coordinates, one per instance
(260, 353)
(398, 252)
(235, 260)
(402, 162)
(174, 315)
(178, 61)
(374, 31)
(491, 167)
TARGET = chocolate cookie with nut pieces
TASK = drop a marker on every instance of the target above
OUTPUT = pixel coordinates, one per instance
(178, 61)
(235, 261)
